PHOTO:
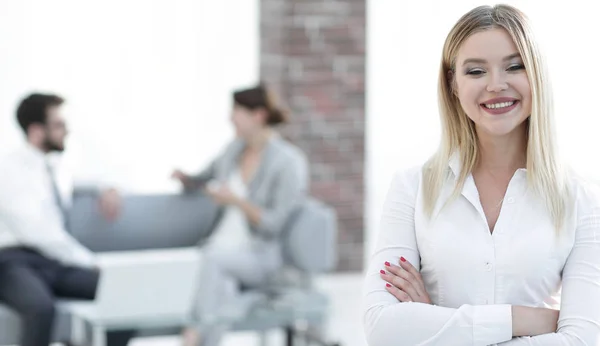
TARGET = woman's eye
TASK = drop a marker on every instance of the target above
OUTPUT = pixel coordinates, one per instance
(475, 72)
(516, 67)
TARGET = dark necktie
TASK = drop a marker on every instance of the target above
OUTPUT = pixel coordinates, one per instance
(58, 199)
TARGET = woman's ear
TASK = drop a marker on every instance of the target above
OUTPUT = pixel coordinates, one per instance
(261, 114)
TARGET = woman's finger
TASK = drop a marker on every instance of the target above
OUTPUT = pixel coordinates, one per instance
(399, 271)
(406, 265)
(401, 283)
(398, 293)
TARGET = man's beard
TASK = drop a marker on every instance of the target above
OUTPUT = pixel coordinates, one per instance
(50, 146)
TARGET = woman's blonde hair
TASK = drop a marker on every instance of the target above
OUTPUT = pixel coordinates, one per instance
(544, 172)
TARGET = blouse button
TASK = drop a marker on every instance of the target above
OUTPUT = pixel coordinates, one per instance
(510, 200)
(488, 266)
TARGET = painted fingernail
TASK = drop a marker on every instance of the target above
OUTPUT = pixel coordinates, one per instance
(382, 271)
(387, 264)
(403, 259)
(388, 285)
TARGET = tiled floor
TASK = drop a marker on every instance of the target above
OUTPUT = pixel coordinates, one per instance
(345, 326)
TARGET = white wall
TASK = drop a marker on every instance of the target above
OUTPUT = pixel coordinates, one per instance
(405, 42)
(147, 82)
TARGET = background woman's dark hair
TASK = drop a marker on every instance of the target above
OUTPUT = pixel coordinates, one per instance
(260, 97)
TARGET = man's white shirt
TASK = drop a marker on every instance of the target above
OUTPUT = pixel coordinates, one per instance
(29, 213)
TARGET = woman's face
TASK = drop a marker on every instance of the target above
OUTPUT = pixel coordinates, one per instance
(491, 83)
(245, 121)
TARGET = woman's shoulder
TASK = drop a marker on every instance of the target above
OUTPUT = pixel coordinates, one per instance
(289, 152)
(408, 179)
(585, 191)
(231, 148)
(410, 174)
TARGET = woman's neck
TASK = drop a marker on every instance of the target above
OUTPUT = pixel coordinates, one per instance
(503, 154)
(258, 141)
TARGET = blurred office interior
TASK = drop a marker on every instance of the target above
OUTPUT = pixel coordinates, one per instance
(148, 87)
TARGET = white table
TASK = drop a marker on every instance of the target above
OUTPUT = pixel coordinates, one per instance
(85, 314)
(134, 286)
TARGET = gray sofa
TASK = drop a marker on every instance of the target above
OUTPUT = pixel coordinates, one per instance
(171, 221)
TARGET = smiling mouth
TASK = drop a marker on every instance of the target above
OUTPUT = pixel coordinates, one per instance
(499, 108)
(499, 105)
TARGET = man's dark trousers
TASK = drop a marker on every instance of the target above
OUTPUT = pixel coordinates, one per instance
(30, 284)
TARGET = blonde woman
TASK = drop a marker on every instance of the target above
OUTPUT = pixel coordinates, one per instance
(490, 242)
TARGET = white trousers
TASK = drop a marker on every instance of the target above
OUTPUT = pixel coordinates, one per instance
(223, 274)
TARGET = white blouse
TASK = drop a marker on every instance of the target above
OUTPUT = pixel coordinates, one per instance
(474, 276)
(232, 233)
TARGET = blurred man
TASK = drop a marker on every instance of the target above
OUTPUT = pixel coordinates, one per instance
(39, 260)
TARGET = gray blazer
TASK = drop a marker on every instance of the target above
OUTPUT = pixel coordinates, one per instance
(279, 185)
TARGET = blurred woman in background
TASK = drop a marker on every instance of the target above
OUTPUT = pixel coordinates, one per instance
(259, 180)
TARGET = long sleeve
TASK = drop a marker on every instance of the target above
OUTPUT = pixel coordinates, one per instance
(207, 174)
(579, 320)
(24, 216)
(225, 157)
(288, 193)
(388, 322)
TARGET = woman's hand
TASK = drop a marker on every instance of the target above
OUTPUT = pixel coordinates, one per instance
(183, 178)
(530, 321)
(222, 195)
(404, 282)
(179, 175)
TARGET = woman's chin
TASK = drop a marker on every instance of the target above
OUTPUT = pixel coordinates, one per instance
(499, 130)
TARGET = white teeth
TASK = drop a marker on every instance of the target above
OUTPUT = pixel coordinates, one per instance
(499, 105)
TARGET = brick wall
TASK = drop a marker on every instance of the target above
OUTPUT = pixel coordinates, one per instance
(313, 55)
